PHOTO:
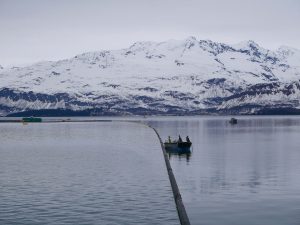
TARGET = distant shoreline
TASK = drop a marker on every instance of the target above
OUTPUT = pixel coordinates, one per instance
(99, 113)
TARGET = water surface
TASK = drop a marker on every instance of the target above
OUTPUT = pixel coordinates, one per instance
(83, 173)
(246, 174)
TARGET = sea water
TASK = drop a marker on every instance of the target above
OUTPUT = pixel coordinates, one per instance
(243, 174)
(83, 173)
(113, 173)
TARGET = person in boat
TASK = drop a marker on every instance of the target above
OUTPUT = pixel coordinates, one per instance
(188, 139)
(169, 139)
(179, 139)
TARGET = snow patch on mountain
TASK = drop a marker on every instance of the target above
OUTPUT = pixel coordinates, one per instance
(172, 76)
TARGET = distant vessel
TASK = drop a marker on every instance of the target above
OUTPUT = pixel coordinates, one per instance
(31, 120)
(178, 146)
(233, 121)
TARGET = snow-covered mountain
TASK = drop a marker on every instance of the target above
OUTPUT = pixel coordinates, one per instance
(172, 77)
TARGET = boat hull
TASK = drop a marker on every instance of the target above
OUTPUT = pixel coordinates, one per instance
(183, 147)
(32, 120)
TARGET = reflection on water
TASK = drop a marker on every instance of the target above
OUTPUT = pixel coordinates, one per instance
(247, 174)
(180, 156)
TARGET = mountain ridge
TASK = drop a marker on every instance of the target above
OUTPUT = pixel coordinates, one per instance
(167, 78)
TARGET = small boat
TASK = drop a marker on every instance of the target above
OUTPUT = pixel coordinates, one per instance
(31, 120)
(178, 146)
(233, 121)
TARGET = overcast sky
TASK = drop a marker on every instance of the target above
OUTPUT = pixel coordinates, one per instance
(35, 30)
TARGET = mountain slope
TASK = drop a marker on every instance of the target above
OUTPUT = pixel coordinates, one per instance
(172, 77)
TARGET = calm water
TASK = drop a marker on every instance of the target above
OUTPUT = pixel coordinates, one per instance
(84, 173)
(114, 173)
(247, 174)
